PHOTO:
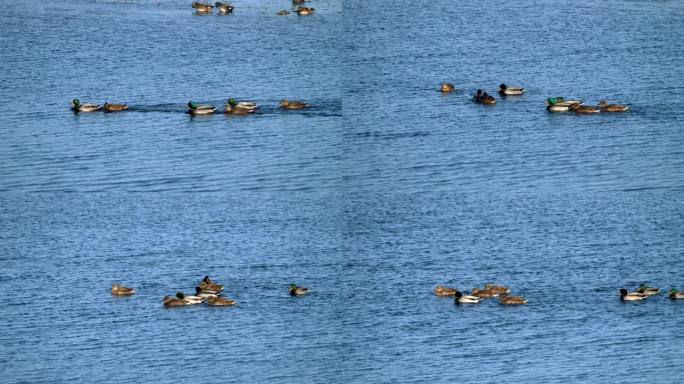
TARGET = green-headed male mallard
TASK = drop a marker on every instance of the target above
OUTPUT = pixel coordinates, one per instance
(675, 294)
(242, 108)
(647, 291)
(294, 290)
(76, 106)
(200, 109)
(505, 90)
(459, 298)
(631, 296)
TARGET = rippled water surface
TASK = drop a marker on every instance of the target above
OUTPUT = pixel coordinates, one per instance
(381, 190)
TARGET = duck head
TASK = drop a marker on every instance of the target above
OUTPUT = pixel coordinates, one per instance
(192, 105)
(502, 86)
(180, 295)
(623, 292)
(76, 103)
(457, 296)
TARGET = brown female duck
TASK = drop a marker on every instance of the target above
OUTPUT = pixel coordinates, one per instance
(507, 299)
(120, 290)
(114, 107)
(605, 107)
(444, 291)
(202, 7)
(287, 104)
(446, 87)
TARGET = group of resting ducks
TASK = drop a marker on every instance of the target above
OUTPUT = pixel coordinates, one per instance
(477, 295)
(231, 107)
(553, 104)
(645, 291)
(225, 8)
(207, 291)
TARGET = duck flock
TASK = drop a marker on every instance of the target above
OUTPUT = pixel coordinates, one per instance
(231, 107)
(502, 293)
(553, 104)
(207, 291)
(225, 8)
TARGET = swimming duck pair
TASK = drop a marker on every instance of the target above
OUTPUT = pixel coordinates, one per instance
(484, 98)
(206, 7)
(641, 293)
(559, 104)
(77, 107)
(504, 298)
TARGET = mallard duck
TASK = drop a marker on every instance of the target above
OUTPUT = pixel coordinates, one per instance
(557, 108)
(297, 291)
(114, 107)
(484, 98)
(283, 12)
(76, 106)
(675, 294)
(201, 109)
(460, 299)
(630, 296)
(224, 7)
(558, 104)
(190, 299)
(199, 292)
(507, 299)
(287, 104)
(241, 108)
(584, 109)
(444, 291)
(605, 107)
(446, 87)
(208, 284)
(505, 90)
(496, 288)
(120, 290)
(483, 293)
(202, 7)
(219, 302)
(647, 291)
(303, 11)
(169, 301)
(210, 287)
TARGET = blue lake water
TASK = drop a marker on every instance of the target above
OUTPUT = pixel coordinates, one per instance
(381, 190)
